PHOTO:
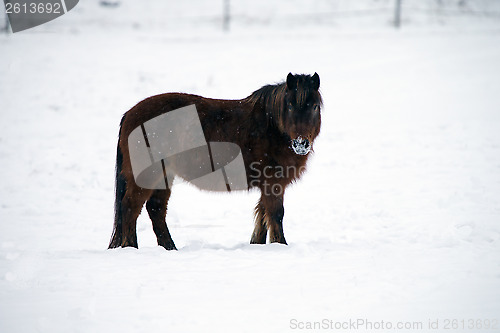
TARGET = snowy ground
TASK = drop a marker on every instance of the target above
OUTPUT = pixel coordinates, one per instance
(397, 218)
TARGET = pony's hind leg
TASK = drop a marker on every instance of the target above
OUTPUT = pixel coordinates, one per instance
(157, 210)
(132, 203)
(259, 234)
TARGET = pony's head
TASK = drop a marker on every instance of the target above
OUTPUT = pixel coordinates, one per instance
(300, 116)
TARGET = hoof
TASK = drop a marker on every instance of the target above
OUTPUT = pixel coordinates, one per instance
(168, 247)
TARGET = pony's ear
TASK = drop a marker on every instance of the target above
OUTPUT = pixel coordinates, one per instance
(291, 81)
(315, 80)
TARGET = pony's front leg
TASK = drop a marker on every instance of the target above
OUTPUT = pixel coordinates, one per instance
(272, 202)
(259, 234)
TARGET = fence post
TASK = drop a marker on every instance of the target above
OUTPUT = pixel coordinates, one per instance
(225, 15)
(397, 14)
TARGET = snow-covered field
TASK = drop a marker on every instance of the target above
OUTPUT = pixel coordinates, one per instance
(397, 218)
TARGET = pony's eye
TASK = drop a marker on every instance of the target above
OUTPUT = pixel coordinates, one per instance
(316, 108)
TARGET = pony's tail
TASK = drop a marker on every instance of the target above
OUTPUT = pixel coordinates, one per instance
(120, 188)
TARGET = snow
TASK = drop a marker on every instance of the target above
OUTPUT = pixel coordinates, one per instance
(301, 146)
(396, 219)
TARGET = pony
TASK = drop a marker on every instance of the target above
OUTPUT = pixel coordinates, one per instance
(274, 129)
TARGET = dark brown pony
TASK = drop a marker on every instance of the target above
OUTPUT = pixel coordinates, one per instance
(274, 127)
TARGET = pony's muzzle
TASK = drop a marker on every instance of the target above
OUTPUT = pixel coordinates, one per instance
(301, 146)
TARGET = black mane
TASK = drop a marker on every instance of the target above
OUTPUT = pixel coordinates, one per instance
(271, 97)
